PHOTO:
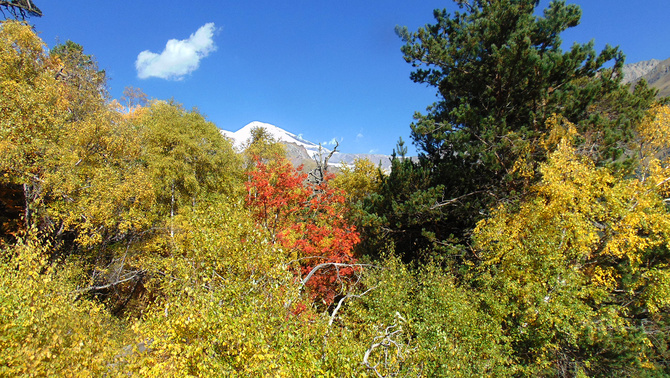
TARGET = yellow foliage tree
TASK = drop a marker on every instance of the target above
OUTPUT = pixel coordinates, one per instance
(224, 304)
(79, 165)
(33, 107)
(44, 330)
(262, 145)
(358, 181)
(187, 157)
(581, 265)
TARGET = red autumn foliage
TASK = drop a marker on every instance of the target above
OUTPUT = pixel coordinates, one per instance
(307, 219)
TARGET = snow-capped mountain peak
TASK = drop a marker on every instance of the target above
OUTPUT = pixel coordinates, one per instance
(242, 136)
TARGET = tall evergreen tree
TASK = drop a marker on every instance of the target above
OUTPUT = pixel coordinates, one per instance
(86, 84)
(500, 74)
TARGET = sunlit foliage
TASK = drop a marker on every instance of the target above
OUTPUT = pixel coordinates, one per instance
(186, 155)
(32, 103)
(44, 331)
(137, 242)
(359, 180)
(262, 145)
(580, 266)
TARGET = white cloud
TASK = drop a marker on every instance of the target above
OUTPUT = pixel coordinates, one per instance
(359, 136)
(373, 151)
(180, 57)
(332, 142)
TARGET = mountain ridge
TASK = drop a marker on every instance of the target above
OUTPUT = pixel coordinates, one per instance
(655, 72)
(301, 151)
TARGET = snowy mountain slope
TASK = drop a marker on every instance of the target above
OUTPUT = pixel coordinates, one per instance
(301, 149)
(241, 136)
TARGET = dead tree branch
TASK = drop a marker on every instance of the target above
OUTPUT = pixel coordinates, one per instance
(318, 174)
(337, 266)
(339, 303)
(20, 9)
(453, 200)
(391, 347)
(135, 275)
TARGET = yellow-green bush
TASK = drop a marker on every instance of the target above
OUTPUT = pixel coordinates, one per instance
(228, 303)
(44, 329)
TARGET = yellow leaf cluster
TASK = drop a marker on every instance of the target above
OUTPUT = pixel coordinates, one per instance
(582, 236)
(358, 181)
(46, 333)
(654, 135)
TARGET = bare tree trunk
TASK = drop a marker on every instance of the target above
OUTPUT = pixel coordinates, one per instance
(26, 198)
(172, 213)
(318, 174)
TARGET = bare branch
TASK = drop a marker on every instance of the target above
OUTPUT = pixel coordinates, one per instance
(449, 202)
(392, 349)
(318, 174)
(339, 304)
(325, 162)
(134, 276)
(20, 9)
(335, 265)
(663, 182)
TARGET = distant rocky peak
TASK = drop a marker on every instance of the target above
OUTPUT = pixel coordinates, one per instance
(655, 72)
(634, 71)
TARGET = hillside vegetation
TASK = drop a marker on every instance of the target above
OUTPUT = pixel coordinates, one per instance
(530, 238)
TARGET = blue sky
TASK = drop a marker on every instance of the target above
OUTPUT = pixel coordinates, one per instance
(326, 70)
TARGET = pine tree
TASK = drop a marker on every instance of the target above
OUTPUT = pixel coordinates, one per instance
(500, 74)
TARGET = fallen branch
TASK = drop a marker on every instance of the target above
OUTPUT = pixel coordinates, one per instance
(136, 275)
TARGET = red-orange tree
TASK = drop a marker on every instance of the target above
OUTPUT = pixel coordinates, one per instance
(306, 221)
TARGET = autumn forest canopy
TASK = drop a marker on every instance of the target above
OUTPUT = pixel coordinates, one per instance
(531, 237)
